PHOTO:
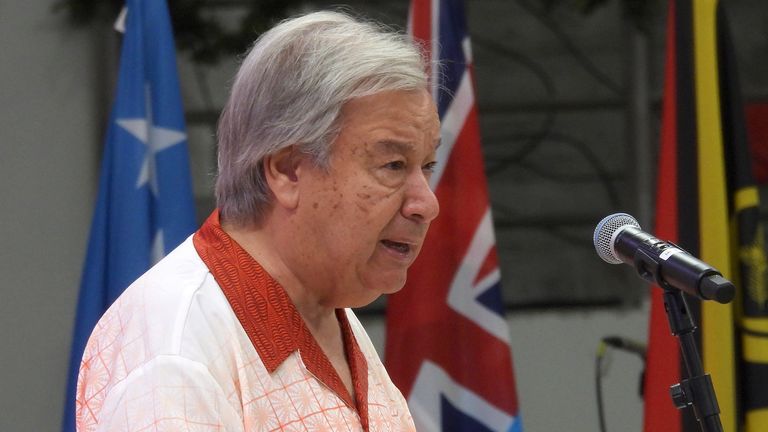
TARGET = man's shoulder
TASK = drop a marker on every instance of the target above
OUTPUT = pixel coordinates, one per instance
(166, 290)
(182, 269)
(152, 316)
(168, 328)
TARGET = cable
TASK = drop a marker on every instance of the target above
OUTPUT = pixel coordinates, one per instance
(590, 157)
(601, 348)
(542, 132)
(567, 42)
(623, 344)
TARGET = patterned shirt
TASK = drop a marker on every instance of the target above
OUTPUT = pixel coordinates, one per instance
(207, 340)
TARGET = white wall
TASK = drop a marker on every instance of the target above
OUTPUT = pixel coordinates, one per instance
(554, 354)
(49, 127)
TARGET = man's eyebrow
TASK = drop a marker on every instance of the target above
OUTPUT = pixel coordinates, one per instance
(401, 146)
(395, 146)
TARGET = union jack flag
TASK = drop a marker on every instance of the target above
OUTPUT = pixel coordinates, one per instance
(447, 345)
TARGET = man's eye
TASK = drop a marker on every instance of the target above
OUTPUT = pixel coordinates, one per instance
(395, 165)
(430, 167)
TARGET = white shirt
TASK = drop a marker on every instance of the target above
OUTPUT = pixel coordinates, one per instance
(171, 354)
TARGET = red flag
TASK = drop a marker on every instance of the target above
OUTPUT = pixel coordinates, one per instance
(663, 357)
(447, 343)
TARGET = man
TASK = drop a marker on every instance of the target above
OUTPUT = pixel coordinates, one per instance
(325, 151)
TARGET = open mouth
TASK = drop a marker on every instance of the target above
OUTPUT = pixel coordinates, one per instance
(402, 248)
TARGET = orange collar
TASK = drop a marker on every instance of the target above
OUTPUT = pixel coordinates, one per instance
(271, 321)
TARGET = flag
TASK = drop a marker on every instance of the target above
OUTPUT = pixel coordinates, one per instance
(447, 342)
(708, 204)
(145, 206)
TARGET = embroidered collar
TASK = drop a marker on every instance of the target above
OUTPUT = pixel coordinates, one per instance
(270, 319)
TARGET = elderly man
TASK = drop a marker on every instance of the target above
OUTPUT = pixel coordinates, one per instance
(325, 151)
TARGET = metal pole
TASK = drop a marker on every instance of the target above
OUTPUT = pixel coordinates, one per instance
(641, 156)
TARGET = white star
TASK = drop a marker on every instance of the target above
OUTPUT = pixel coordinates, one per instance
(155, 138)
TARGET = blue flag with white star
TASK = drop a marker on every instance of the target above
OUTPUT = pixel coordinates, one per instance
(145, 206)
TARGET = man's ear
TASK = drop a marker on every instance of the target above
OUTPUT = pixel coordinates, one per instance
(281, 172)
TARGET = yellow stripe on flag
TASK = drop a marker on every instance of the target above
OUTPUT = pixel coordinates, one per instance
(717, 320)
(757, 325)
(745, 198)
(755, 348)
(756, 418)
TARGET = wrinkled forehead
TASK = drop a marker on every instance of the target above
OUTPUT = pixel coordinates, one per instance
(393, 116)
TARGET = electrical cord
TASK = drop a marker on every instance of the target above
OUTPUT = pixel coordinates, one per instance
(603, 175)
(601, 348)
(621, 344)
(533, 140)
(571, 47)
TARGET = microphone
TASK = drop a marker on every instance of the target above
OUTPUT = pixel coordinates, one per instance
(619, 239)
(626, 345)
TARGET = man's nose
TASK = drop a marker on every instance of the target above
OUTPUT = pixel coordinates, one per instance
(420, 202)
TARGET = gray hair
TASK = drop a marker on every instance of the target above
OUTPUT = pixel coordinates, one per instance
(290, 90)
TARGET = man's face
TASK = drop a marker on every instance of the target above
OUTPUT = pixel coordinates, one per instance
(365, 218)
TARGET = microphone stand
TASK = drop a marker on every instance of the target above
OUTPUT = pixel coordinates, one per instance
(696, 391)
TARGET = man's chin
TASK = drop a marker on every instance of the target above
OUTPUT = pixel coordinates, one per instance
(372, 294)
(393, 285)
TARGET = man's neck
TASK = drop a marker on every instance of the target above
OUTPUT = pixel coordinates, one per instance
(263, 246)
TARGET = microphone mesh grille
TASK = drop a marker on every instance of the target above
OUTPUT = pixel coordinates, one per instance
(604, 235)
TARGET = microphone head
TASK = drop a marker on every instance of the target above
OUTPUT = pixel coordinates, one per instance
(606, 232)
